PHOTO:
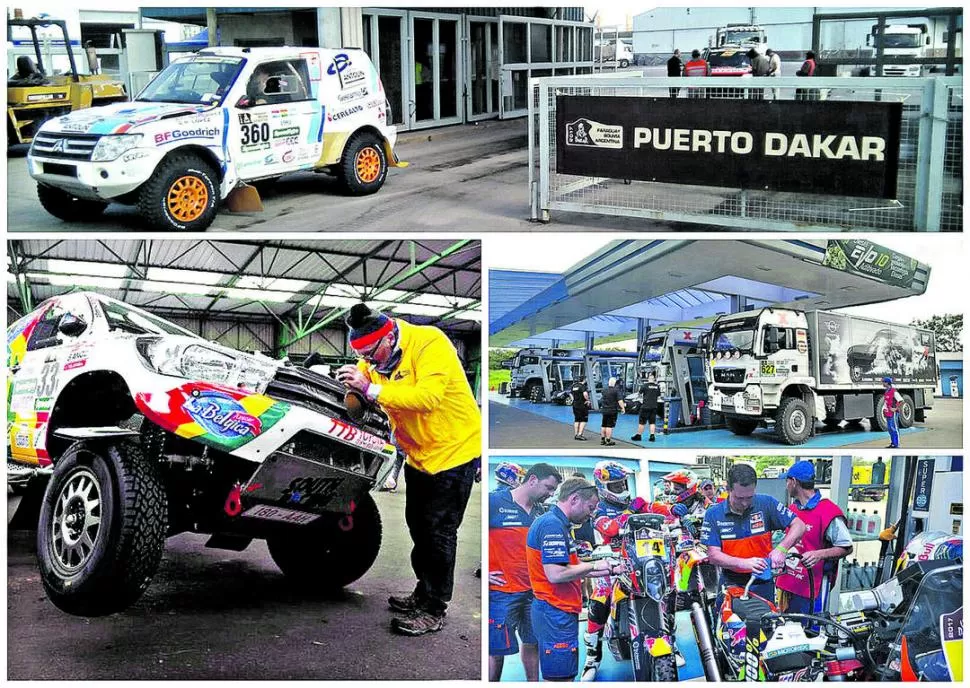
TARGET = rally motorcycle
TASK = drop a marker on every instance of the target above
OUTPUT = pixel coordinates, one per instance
(125, 429)
(695, 578)
(640, 628)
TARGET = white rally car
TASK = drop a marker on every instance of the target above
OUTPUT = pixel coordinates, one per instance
(124, 429)
(210, 123)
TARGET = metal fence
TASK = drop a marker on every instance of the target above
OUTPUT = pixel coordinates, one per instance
(929, 177)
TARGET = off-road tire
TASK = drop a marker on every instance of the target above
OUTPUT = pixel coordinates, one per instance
(741, 426)
(536, 394)
(64, 206)
(905, 415)
(790, 409)
(194, 176)
(128, 542)
(665, 669)
(363, 167)
(323, 556)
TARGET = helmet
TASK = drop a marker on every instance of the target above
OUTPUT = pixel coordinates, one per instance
(684, 477)
(931, 545)
(511, 474)
(611, 483)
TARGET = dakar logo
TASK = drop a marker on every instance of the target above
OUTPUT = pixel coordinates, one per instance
(586, 132)
(220, 414)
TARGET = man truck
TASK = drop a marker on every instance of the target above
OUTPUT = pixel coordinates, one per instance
(543, 374)
(675, 355)
(786, 369)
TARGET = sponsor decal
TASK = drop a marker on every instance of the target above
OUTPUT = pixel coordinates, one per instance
(340, 62)
(276, 513)
(22, 440)
(189, 120)
(177, 134)
(250, 147)
(867, 258)
(354, 435)
(134, 155)
(46, 97)
(221, 415)
(287, 132)
(341, 114)
(342, 68)
(270, 159)
(586, 132)
(289, 141)
(375, 104)
(757, 523)
(314, 492)
(355, 94)
(401, 374)
(253, 117)
(287, 157)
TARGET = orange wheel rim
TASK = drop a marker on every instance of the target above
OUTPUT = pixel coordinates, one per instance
(188, 198)
(368, 164)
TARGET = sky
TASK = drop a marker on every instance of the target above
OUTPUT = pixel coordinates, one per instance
(946, 293)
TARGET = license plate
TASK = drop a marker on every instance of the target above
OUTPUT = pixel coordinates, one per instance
(651, 548)
(767, 368)
(276, 513)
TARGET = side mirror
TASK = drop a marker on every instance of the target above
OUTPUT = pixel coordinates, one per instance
(927, 40)
(71, 325)
(868, 39)
(507, 364)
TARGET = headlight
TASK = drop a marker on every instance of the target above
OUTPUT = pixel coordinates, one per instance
(112, 147)
(199, 362)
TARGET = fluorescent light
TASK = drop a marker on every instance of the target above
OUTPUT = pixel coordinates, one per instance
(189, 276)
(258, 295)
(83, 267)
(80, 281)
(468, 315)
(334, 301)
(279, 284)
(418, 309)
(449, 302)
(177, 288)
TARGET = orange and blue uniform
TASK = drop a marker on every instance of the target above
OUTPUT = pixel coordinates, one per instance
(556, 607)
(509, 605)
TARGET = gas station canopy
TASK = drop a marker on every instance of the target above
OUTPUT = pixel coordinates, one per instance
(663, 282)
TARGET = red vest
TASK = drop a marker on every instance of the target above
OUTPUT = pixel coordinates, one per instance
(809, 67)
(696, 68)
(817, 521)
(891, 405)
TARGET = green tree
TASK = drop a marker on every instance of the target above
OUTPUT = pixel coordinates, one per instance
(496, 356)
(948, 329)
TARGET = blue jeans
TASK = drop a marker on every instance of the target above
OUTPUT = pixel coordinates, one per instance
(893, 429)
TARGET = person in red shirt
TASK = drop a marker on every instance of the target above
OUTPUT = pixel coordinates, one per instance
(510, 514)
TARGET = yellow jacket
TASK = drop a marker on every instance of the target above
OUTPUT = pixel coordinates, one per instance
(433, 412)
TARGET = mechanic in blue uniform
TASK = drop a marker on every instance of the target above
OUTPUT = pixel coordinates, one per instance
(738, 531)
(556, 574)
(511, 511)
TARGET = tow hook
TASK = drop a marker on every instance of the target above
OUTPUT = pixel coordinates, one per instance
(347, 522)
(233, 505)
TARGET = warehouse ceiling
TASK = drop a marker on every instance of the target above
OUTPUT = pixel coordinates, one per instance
(303, 285)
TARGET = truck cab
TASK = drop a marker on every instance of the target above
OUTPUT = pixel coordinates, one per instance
(901, 40)
(747, 35)
(210, 124)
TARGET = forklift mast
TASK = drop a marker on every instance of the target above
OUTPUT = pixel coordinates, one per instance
(33, 24)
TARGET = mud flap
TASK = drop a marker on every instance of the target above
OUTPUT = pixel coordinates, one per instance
(244, 199)
(392, 159)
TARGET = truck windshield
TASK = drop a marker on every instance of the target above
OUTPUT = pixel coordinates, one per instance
(900, 40)
(736, 335)
(122, 318)
(653, 349)
(201, 80)
(742, 37)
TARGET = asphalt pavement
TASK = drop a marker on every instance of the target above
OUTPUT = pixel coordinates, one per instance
(212, 614)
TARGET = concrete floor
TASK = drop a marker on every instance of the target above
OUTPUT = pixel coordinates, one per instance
(513, 424)
(210, 614)
(462, 178)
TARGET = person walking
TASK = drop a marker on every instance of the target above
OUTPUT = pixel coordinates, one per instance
(696, 66)
(511, 512)
(891, 400)
(650, 402)
(774, 68)
(759, 67)
(556, 575)
(611, 405)
(413, 373)
(737, 533)
(825, 542)
(807, 69)
(675, 67)
(580, 395)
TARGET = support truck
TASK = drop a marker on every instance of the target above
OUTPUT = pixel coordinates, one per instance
(786, 369)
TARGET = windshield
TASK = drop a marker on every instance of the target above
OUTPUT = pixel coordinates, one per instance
(123, 318)
(653, 349)
(735, 60)
(900, 40)
(742, 37)
(735, 335)
(201, 80)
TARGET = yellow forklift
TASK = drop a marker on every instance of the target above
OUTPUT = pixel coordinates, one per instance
(33, 96)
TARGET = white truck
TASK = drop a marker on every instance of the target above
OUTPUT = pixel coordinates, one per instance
(746, 35)
(675, 355)
(788, 368)
(620, 51)
(208, 125)
(901, 40)
(544, 374)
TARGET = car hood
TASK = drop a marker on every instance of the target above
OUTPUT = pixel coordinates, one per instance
(119, 118)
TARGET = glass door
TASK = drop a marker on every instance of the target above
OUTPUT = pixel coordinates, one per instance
(385, 41)
(437, 66)
(482, 68)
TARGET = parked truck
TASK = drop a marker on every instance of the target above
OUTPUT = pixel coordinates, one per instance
(676, 357)
(785, 369)
(901, 40)
(544, 374)
(747, 35)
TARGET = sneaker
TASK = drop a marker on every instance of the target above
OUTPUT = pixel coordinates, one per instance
(402, 603)
(653, 438)
(575, 437)
(609, 443)
(637, 438)
(582, 438)
(892, 446)
(679, 659)
(602, 440)
(418, 622)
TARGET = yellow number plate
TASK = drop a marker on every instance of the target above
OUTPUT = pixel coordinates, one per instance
(647, 548)
(767, 368)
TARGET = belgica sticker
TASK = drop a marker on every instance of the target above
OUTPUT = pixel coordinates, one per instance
(586, 132)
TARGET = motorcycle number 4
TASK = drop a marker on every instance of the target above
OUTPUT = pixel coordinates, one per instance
(353, 435)
(647, 548)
